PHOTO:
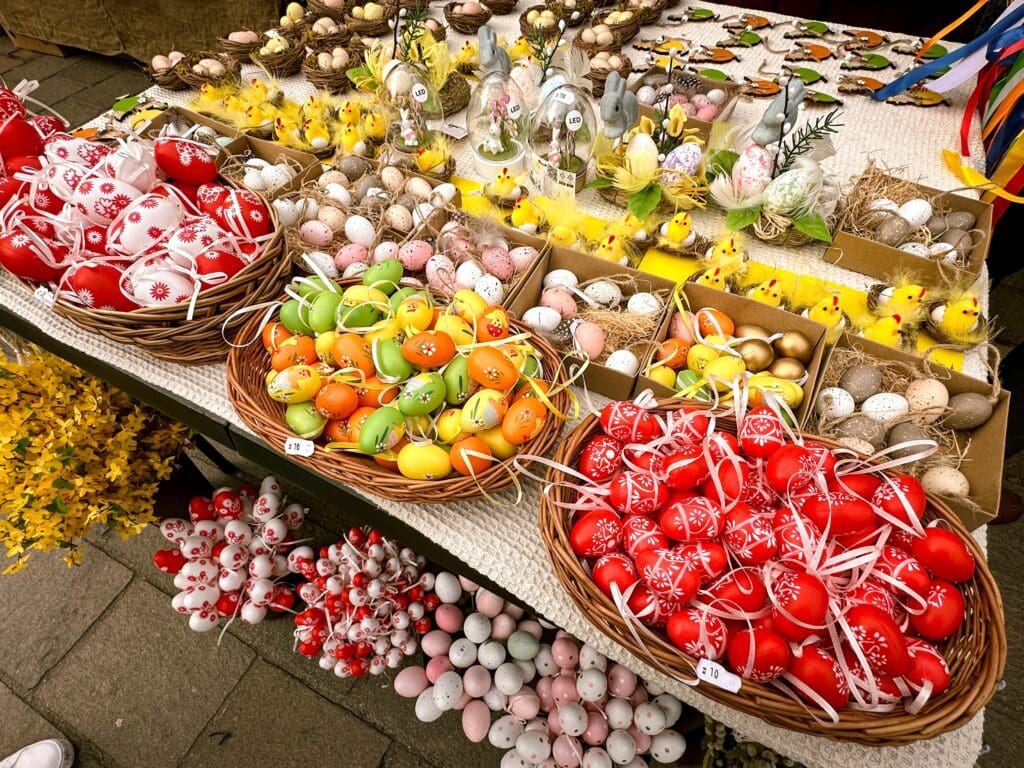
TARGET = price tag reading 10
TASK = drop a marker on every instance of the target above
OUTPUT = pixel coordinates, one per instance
(419, 93)
(574, 120)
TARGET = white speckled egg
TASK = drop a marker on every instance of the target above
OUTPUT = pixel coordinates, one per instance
(360, 230)
(590, 657)
(916, 212)
(490, 288)
(495, 700)
(945, 251)
(620, 747)
(388, 249)
(591, 685)
(561, 277)
(927, 400)
(650, 718)
(491, 654)
(331, 177)
(308, 208)
(332, 217)
(646, 95)
(522, 257)
(287, 212)
(588, 337)
(418, 188)
(604, 293)
(398, 218)
(644, 303)
(834, 403)
(446, 191)
(946, 481)
(542, 319)
(316, 233)
(752, 171)
(884, 204)
(355, 270)
(392, 179)
(324, 263)
(534, 747)
(426, 710)
(508, 678)
(447, 587)
(467, 273)
(717, 96)
(421, 213)
(497, 261)
(885, 406)
(275, 176)
(477, 628)
(253, 179)
(440, 273)
(684, 158)
(338, 194)
(623, 361)
(915, 249)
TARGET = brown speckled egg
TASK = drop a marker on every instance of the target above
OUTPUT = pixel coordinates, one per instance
(905, 432)
(864, 428)
(927, 399)
(861, 381)
(968, 410)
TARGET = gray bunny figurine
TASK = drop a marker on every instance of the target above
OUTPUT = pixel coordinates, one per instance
(493, 58)
(780, 117)
(619, 108)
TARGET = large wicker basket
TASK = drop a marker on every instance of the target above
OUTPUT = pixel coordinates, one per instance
(247, 388)
(976, 654)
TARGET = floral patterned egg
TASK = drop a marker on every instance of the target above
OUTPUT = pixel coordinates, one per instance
(685, 159)
(101, 200)
(98, 285)
(194, 235)
(600, 458)
(668, 575)
(185, 160)
(790, 190)
(640, 532)
(160, 287)
(752, 171)
(145, 223)
(61, 147)
(698, 633)
(596, 533)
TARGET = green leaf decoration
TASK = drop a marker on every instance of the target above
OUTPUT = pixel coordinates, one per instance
(818, 28)
(814, 226)
(600, 182)
(935, 52)
(876, 61)
(749, 39)
(700, 14)
(824, 98)
(125, 104)
(721, 161)
(642, 203)
(808, 75)
(714, 74)
(743, 218)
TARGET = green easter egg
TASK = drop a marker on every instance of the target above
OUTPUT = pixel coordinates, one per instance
(304, 420)
(531, 367)
(391, 364)
(322, 310)
(384, 275)
(457, 382)
(422, 394)
(290, 318)
(381, 431)
(400, 295)
(310, 285)
(686, 379)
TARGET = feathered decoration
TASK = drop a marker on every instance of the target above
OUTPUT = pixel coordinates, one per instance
(957, 319)
(901, 296)
(829, 312)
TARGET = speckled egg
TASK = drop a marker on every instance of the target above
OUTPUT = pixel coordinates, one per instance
(856, 444)
(332, 177)
(717, 96)
(398, 218)
(353, 167)
(332, 217)
(490, 288)
(316, 233)
(684, 159)
(604, 293)
(905, 432)
(916, 249)
(834, 403)
(865, 428)
(927, 399)
(968, 410)
(560, 300)
(467, 273)
(646, 94)
(522, 257)
(392, 179)
(386, 250)
(360, 229)
(355, 270)
(589, 338)
(440, 273)
(418, 188)
(324, 263)
(946, 481)
(789, 190)
(752, 171)
(287, 212)
(446, 191)
(644, 303)
(544, 320)
(415, 254)
(623, 361)
(861, 381)
(351, 253)
(497, 261)
(708, 113)
(561, 277)
(885, 406)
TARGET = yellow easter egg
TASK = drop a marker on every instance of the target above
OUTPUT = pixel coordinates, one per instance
(496, 441)
(714, 340)
(460, 331)
(386, 329)
(295, 384)
(420, 427)
(424, 461)
(323, 345)
(517, 354)
(663, 375)
(723, 371)
(791, 393)
(415, 312)
(468, 304)
(483, 410)
(449, 426)
(699, 356)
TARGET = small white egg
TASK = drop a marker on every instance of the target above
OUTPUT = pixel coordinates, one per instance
(884, 204)
(946, 481)
(324, 262)
(644, 303)
(491, 655)
(834, 403)
(561, 277)
(467, 273)
(542, 319)
(508, 678)
(359, 229)
(885, 406)
(623, 361)
(338, 194)
(916, 249)
(254, 180)
(490, 288)
(287, 212)
(604, 293)
(916, 212)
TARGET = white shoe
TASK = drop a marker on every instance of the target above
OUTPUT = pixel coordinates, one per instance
(51, 753)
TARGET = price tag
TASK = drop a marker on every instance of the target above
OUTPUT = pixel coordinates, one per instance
(566, 97)
(296, 446)
(717, 675)
(514, 108)
(574, 120)
(419, 93)
(45, 296)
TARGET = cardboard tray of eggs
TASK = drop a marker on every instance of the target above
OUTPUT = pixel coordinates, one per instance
(598, 310)
(787, 365)
(269, 168)
(928, 235)
(710, 100)
(871, 397)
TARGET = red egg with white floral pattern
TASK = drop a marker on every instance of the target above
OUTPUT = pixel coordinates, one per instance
(689, 425)
(210, 197)
(790, 468)
(614, 568)
(837, 513)
(217, 266)
(886, 691)
(185, 160)
(685, 468)
(761, 433)
(902, 498)
(758, 655)
(799, 605)
(668, 575)
(97, 285)
(691, 519)
(48, 125)
(870, 592)
(698, 633)
(243, 214)
(640, 532)
(596, 533)
(708, 559)
(721, 445)
(903, 575)
(860, 485)
(637, 493)
(629, 423)
(817, 670)
(600, 458)
(798, 538)
(739, 592)
(944, 612)
(879, 639)
(927, 666)
(32, 258)
(649, 608)
(749, 535)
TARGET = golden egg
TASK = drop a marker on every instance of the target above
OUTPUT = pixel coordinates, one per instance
(794, 344)
(750, 331)
(756, 354)
(787, 368)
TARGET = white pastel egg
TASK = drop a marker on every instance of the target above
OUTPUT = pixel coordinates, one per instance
(916, 212)
(463, 653)
(355, 270)
(254, 180)
(885, 406)
(623, 361)
(916, 249)
(491, 655)
(287, 212)
(542, 319)
(646, 94)
(590, 657)
(418, 187)
(508, 678)
(467, 273)
(511, 759)
(528, 669)
(359, 229)
(447, 587)
(338, 194)
(504, 732)
(573, 718)
(595, 757)
(446, 191)
(534, 747)
(649, 718)
(276, 176)
(946, 481)
(927, 400)
(604, 293)
(668, 746)
(447, 690)
(231, 581)
(717, 96)
(591, 685)
(644, 303)
(308, 208)
(427, 710)
(476, 628)
(252, 613)
(490, 288)
(324, 262)
(495, 700)
(834, 403)
(561, 277)
(545, 662)
(671, 706)
(620, 747)
(619, 713)
(522, 257)
(884, 204)
(178, 603)
(421, 212)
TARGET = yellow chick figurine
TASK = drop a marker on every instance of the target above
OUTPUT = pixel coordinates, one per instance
(768, 292)
(525, 216)
(628, 227)
(468, 57)
(429, 160)
(677, 233)
(958, 321)
(348, 113)
(504, 186)
(713, 278)
(351, 140)
(903, 300)
(374, 126)
(611, 249)
(520, 49)
(286, 127)
(560, 234)
(885, 331)
(829, 313)
(316, 134)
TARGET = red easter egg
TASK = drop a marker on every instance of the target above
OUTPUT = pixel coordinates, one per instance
(10, 104)
(902, 497)
(870, 592)
(861, 485)
(98, 285)
(18, 137)
(614, 568)
(838, 513)
(640, 532)
(903, 574)
(24, 257)
(185, 160)
(740, 591)
(228, 603)
(201, 508)
(646, 459)
(864, 537)
(943, 615)
(721, 445)
(689, 425)
(824, 459)
(283, 599)
(758, 655)
(692, 519)
(10, 188)
(790, 468)
(888, 690)
(799, 605)
(45, 201)
(761, 433)
(944, 554)
(629, 423)
(749, 535)
(651, 610)
(169, 560)
(797, 536)
(210, 197)
(698, 633)
(218, 266)
(732, 476)
(927, 666)
(818, 670)
(243, 214)
(228, 504)
(22, 164)
(708, 559)
(600, 458)
(47, 125)
(95, 238)
(685, 468)
(880, 640)
(668, 575)
(596, 533)
(637, 493)
(901, 539)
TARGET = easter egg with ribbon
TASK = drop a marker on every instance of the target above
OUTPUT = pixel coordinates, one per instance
(943, 614)
(799, 604)
(98, 286)
(600, 458)
(838, 513)
(758, 654)
(667, 575)
(243, 214)
(144, 224)
(75, 150)
(101, 200)
(944, 554)
(637, 493)
(32, 258)
(797, 537)
(161, 287)
(185, 160)
(216, 266)
(19, 138)
(596, 533)
(193, 235)
(879, 639)
(10, 105)
(790, 468)
(614, 568)
(295, 384)
(48, 125)
(649, 607)
(749, 535)
(708, 559)
(816, 671)
(927, 666)
(739, 590)
(686, 468)
(63, 179)
(901, 497)
(133, 164)
(692, 519)
(903, 575)
(210, 197)
(761, 433)
(629, 423)
(640, 532)
(698, 633)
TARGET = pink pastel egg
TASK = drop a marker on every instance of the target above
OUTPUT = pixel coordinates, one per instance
(502, 626)
(621, 681)
(567, 751)
(563, 689)
(523, 256)
(524, 704)
(514, 611)
(476, 681)
(448, 617)
(560, 300)
(707, 113)
(565, 652)
(642, 740)
(589, 337)
(638, 696)
(677, 98)
(437, 666)
(700, 100)
(316, 233)
(681, 327)
(462, 701)
(415, 254)
(467, 585)
(597, 729)
(554, 722)
(436, 642)
(543, 690)
(347, 255)
(690, 110)
(476, 720)
(386, 250)
(498, 262)
(411, 682)
(488, 603)
(531, 626)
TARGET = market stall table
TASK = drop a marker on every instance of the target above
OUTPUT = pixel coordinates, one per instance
(500, 544)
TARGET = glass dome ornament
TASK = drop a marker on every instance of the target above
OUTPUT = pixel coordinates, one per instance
(496, 123)
(413, 107)
(562, 140)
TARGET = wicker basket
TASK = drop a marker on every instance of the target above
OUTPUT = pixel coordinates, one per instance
(465, 24)
(318, 9)
(168, 79)
(284, 64)
(528, 31)
(364, 28)
(626, 30)
(232, 69)
(591, 48)
(247, 388)
(239, 51)
(651, 16)
(454, 94)
(598, 77)
(582, 10)
(976, 654)
(321, 42)
(500, 7)
(296, 32)
(335, 82)
(778, 230)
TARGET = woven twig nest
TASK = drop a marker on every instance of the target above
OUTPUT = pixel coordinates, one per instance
(626, 30)
(319, 9)
(466, 24)
(239, 51)
(454, 94)
(578, 14)
(365, 28)
(284, 64)
(597, 77)
(335, 82)
(232, 69)
(501, 7)
(168, 79)
(614, 46)
(529, 30)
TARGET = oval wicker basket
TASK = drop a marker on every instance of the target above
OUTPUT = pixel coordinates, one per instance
(574, 17)
(247, 389)
(597, 77)
(232, 69)
(626, 30)
(284, 64)
(319, 9)
(168, 79)
(364, 28)
(591, 48)
(528, 30)
(500, 7)
(463, 23)
(335, 82)
(976, 654)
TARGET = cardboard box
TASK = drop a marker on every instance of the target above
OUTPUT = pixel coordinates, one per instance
(742, 310)
(598, 378)
(874, 259)
(732, 91)
(983, 461)
(309, 166)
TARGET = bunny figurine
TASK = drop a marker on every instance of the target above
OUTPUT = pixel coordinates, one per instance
(619, 108)
(493, 58)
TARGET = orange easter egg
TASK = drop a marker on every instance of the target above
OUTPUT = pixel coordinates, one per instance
(672, 353)
(356, 421)
(490, 368)
(429, 349)
(336, 400)
(374, 393)
(350, 350)
(712, 321)
(528, 388)
(523, 420)
(295, 350)
(492, 324)
(389, 459)
(338, 431)
(463, 460)
(273, 335)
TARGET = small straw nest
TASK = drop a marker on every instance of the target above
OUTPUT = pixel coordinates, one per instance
(591, 48)
(168, 78)
(284, 64)
(779, 230)
(365, 28)
(335, 82)
(454, 94)
(529, 30)
(652, 14)
(464, 23)
(627, 30)
(318, 9)
(575, 17)
(330, 41)
(232, 69)
(239, 51)
(500, 7)
(234, 167)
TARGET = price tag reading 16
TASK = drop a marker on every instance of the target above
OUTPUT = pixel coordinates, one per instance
(419, 93)
(574, 120)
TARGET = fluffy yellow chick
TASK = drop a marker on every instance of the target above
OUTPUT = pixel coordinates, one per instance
(316, 134)
(468, 56)
(627, 227)
(903, 300)
(288, 127)
(611, 249)
(885, 331)
(520, 49)
(678, 232)
(428, 160)
(829, 313)
(768, 292)
(351, 140)
(348, 113)
(258, 116)
(525, 216)
(504, 186)
(560, 234)
(713, 278)
(374, 126)
(959, 321)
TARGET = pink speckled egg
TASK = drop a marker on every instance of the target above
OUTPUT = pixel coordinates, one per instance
(498, 262)
(437, 666)
(689, 110)
(316, 233)
(752, 170)
(459, 249)
(522, 257)
(708, 113)
(436, 642)
(415, 254)
(448, 617)
(440, 273)
(384, 251)
(559, 300)
(700, 100)
(589, 338)
(353, 253)
(488, 603)
(502, 626)
(677, 98)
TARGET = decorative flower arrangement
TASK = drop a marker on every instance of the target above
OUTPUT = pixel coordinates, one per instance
(77, 453)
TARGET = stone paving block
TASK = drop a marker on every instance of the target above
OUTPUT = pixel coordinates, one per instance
(76, 110)
(140, 684)
(270, 719)
(92, 69)
(47, 607)
(56, 88)
(399, 757)
(7, 63)
(103, 94)
(136, 553)
(25, 54)
(6, 44)
(37, 67)
(20, 724)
